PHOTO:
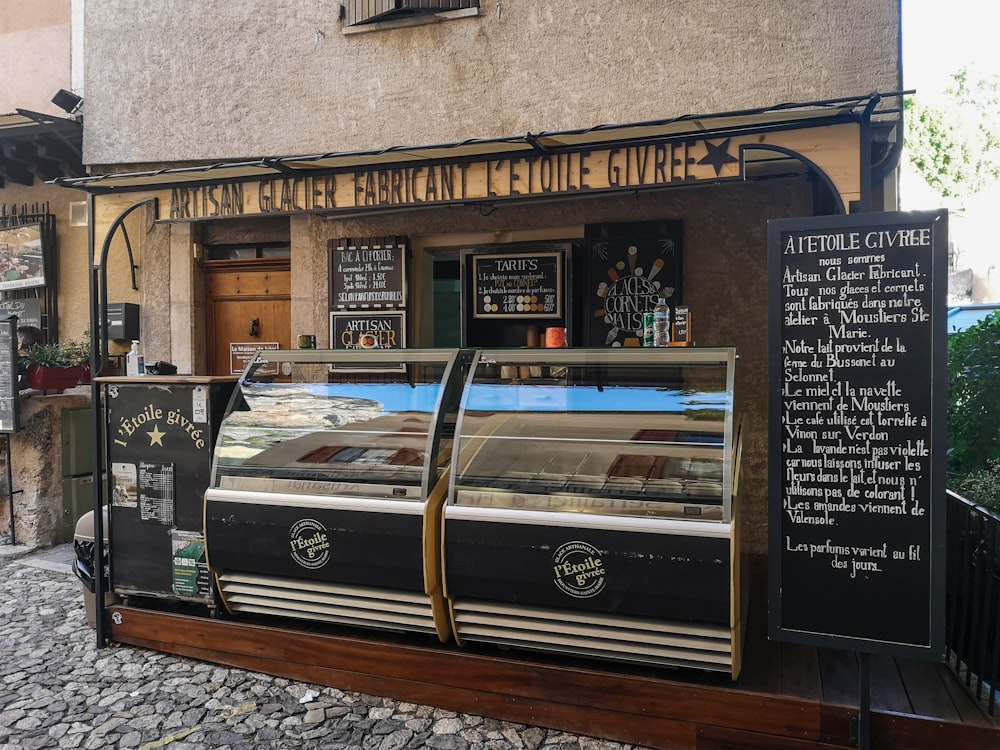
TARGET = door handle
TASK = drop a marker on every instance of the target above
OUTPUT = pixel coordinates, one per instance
(255, 326)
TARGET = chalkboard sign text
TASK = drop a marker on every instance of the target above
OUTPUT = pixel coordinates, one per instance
(518, 286)
(857, 418)
(367, 274)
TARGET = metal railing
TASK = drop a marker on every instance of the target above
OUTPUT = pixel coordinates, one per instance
(972, 624)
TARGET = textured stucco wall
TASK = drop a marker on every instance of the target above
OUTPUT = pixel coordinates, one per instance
(176, 80)
(34, 54)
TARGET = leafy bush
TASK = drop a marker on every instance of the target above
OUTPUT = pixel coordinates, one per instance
(974, 397)
(982, 487)
(68, 354)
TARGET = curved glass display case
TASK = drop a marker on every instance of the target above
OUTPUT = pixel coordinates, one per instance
(326, 486)
(624, 433)
(591, 505)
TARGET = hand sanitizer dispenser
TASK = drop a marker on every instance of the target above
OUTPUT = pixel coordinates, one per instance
(135, 363)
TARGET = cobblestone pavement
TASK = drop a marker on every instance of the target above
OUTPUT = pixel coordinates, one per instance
(57, 690)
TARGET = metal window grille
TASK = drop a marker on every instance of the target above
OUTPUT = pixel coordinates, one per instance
(369, 11)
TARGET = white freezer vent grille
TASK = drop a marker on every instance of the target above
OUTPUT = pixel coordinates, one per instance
(386, 609)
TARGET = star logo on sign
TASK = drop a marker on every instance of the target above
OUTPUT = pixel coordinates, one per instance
(156, 437)
(717, 155)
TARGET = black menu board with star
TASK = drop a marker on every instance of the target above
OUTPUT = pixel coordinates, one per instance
(857, 431)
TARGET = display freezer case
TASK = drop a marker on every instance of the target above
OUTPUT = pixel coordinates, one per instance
(327, 487)
(161, 434)
(591, 508)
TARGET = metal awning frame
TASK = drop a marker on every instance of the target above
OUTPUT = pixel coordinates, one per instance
(858, 109)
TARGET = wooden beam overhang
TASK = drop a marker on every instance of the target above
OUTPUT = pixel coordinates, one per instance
(33, 145)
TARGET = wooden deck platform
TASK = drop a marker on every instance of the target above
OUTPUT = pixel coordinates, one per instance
(788, 697)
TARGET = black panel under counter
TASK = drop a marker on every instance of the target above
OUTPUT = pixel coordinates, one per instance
(317, 542)
(676, 576)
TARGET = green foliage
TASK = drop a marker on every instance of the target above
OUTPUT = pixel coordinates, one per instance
(68, 354)
(955, 144)
(982, 487)
(974, 396)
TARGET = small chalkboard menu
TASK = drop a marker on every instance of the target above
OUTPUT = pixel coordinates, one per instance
(367, 273)
(28, 311)
(525, 285)
(10, 401)
(857, 431)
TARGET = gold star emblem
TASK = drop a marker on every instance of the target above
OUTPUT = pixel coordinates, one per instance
(156, 437)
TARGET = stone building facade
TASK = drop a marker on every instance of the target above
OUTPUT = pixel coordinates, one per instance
(184, 98)
(39, 141)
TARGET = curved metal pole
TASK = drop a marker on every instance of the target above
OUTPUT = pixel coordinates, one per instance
(98, 359)
(813, 167)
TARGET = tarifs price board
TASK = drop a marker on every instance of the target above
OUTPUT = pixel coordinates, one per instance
(857, 424)
(518, 286)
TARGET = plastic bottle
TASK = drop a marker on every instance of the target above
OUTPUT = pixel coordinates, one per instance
(661, 323)
(135, 363)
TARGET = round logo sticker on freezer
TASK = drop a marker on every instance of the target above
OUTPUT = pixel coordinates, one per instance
(579, 570)
(310, 543)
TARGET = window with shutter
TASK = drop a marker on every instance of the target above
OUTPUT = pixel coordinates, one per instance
(357, 12)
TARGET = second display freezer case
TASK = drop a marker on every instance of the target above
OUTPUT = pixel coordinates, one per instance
(591, 506)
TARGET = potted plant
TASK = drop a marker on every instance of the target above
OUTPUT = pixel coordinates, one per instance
(55, 367)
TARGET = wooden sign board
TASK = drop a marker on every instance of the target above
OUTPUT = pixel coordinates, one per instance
(857, 433)
(524, 285)
(28, 311)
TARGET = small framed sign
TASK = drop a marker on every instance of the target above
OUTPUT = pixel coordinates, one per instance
(526, 285)
(242, 353)
(368, 330)
(22, 257)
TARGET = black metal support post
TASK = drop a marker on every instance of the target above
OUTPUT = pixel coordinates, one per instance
(98, 359)
(865, 694)
(10, 486)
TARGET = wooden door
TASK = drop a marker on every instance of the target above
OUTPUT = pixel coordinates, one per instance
(249, 307)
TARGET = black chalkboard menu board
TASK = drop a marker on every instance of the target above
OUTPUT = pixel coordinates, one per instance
(857, 431)
(628, 267)
(518, 286)
(10, 401)
(28, 311)
(367, 273)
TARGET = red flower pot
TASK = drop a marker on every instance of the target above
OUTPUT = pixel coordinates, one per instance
(54, 378)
